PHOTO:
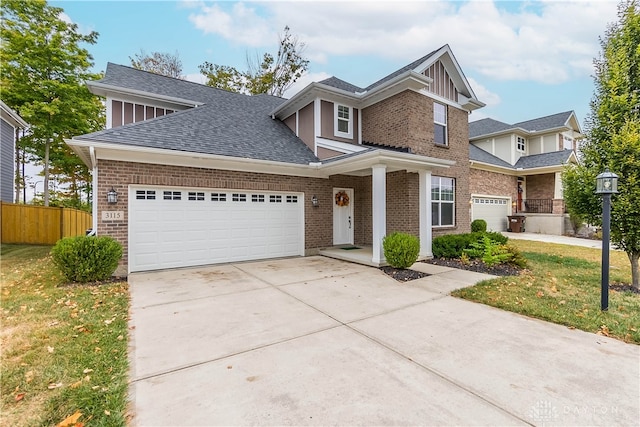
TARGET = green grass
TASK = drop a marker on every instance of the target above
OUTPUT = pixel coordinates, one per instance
(64, 347)
(562, 286)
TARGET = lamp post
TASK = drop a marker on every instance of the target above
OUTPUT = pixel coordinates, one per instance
(606, 185)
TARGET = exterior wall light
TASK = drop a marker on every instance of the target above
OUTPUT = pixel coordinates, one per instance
(606, 185)
(314, 201)
(112, 196)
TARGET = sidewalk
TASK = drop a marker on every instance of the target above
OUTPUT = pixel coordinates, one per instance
(549, 238)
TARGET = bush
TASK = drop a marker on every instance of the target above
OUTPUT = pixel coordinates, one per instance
(488, 251)
(478, 225)
(516, 256)
(87, 258)
(453, 245)
(401, 249)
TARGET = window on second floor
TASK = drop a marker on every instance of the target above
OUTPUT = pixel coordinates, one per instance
(567, 142)
(343, 123)
(440, 123)
(520, 144)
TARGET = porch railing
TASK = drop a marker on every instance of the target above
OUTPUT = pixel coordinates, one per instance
(538, 205)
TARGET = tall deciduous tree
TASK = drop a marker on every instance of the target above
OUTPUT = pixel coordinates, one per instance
(43, 68)
(271, 74)
(613, 136)
(166, 64)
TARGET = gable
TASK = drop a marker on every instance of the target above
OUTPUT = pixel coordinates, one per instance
(442, 84)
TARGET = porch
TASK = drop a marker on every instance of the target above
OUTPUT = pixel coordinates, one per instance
(358, 254)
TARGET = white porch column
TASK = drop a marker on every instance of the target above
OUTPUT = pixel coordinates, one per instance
(379, 210)
(557, 189)
(424, 187)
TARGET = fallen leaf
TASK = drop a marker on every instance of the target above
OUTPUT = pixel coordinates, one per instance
(70, 420)
(54, 386)
(107, 412)
(28, 376)
(20, 396)
(87, 370)
(76, 384)
(563, 302)
(540, 294)
(120, 337)
(50, 349)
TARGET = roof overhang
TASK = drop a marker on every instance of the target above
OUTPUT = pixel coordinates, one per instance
(357, 165)
(102, 89)
(409, 80)
(474, 164)
(11, 117)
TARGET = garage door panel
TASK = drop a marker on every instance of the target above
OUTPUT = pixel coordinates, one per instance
(493, 209)
(169, 230)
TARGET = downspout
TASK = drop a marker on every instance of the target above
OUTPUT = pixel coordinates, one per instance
(94, 202)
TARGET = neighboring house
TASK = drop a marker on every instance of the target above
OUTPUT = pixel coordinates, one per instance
(517, 169)
(207, 176)
(10, 122)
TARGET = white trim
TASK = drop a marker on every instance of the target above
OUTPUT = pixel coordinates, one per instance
(317, 123)
(94, 195)
(297, 123)
(337, 119)
(359, 126)
(12, 117)
(351, 193)
(558, 190)
(451, 202)
(343, 147)
(426, 232)
(378, 210)
(105, 90)
(445, 124)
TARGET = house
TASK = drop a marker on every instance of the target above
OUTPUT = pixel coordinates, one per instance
(517, 169)
(10, 122)
(186, 174)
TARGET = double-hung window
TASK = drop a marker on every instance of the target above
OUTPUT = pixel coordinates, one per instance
(440, 123)
(520, 144)
(443, 201)
(343, 122)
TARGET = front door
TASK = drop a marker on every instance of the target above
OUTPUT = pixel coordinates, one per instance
(343, 216)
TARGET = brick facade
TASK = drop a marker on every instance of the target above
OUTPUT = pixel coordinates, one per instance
(406, 120)
(541, 186)
(493, 184)
(402, 197)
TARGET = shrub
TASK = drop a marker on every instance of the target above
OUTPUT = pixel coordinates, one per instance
(516, 256)
(87, 258)
(478, 225)
(453, 245)
(489, 251)
(401, 249)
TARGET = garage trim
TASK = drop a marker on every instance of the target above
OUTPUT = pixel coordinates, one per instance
(502, 201)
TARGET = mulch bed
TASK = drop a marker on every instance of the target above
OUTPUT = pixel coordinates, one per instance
(477, 266)
(403, 275)
(112, 279)
(623, 287)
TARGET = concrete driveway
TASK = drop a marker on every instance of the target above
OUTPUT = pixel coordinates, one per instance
(317, 341)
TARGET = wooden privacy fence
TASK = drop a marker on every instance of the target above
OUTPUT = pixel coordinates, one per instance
(41, 224)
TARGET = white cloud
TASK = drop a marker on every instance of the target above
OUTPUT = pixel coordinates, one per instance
(196, 78)
(303, 81)
(549, 41)
(484, 94)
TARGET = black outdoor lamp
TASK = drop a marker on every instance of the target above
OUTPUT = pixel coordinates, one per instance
(314, 201)
(606, 185)
(112, 196)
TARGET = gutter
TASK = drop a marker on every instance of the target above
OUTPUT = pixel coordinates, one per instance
(94, 201)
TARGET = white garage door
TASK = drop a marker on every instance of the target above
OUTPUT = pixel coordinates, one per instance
(494, 210)
(176, 227)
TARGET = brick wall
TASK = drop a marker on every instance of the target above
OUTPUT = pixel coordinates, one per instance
(406, 120)
(493, 184)
(541, 186)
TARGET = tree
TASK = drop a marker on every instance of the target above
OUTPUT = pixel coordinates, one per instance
(271, 75)
(613, 136)
(163, 63)
(43, 69)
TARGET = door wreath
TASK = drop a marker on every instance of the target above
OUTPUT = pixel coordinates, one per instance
(342, 199)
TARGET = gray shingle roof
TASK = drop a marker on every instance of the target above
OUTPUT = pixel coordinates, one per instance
(341, 84)
(479, 155)
(407, 67)
(486, 127)
(228, 124)
(543, 123)
(554, 158)
(483, 127)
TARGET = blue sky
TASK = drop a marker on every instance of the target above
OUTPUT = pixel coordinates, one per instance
(523, 59)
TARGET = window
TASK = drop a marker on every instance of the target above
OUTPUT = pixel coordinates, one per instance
(443, 201)
(237, 197)
(440, 123)
(567, 142)
(275, 199)
(193, 195)
(520, 144)
(172, 195)
(218, 197)
(257, 198)
(343, 120)
(145, 194)
(292, 199)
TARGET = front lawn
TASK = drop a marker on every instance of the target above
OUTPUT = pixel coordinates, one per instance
(64, 347)
(562, 286)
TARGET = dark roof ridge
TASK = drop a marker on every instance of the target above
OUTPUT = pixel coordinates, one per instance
(544, 117)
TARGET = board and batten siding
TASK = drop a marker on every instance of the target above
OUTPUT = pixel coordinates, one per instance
(7, 161)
